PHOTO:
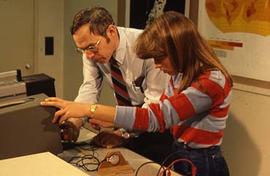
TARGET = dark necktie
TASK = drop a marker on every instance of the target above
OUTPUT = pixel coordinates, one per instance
(119, 85)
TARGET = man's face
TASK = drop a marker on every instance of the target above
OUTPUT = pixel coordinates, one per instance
(94, 47)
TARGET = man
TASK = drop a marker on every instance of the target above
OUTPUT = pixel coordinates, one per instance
(100, 42)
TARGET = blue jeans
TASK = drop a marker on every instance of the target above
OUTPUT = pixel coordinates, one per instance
(208, 161)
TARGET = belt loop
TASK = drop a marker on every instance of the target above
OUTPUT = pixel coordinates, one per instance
(186, 146)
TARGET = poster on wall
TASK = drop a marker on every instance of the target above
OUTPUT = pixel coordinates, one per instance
(239, 32)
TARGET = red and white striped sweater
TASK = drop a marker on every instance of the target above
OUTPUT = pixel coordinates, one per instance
(197, 115)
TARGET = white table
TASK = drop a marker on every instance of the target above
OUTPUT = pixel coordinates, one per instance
(41, 164)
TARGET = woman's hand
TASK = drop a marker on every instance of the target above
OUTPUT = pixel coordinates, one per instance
(68, 109)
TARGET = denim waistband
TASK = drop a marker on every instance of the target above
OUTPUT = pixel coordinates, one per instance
(210, 150)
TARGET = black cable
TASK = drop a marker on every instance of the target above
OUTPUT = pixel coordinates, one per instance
(87, 162)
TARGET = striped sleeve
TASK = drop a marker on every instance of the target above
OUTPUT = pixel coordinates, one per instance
(204, 94)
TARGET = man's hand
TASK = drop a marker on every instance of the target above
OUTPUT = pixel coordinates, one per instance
(68, 109)
(97, 124)
(108, 139)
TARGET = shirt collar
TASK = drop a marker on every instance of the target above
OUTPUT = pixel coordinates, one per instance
(176, 80)
(120, 52)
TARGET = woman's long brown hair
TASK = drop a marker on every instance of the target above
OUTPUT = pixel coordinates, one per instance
(174, 36)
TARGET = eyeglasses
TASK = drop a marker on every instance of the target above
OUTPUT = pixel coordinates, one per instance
(90, 48)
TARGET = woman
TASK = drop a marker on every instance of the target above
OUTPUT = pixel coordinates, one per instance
(195, 104)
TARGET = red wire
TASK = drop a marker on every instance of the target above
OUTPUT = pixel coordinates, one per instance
(193, 167)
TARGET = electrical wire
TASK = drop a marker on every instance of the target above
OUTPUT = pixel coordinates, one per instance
(138, 169)
(193, 167)
(88, 162)
(166, 170)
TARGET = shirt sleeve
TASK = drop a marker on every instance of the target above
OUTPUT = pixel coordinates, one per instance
(155, 83)
(90, 89)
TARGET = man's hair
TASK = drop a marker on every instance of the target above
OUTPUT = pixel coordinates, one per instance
(98, 18)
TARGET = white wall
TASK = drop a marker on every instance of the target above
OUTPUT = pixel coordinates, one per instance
(246, 144)
(49, 22)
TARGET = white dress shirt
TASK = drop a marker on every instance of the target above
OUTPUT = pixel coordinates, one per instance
(131, 67)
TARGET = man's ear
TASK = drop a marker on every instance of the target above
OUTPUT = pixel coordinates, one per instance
(111, 31)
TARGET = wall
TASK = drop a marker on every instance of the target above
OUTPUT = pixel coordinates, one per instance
(49, 22)
(44, 18)
(72, 60)
(53, 18)
(246, 146)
